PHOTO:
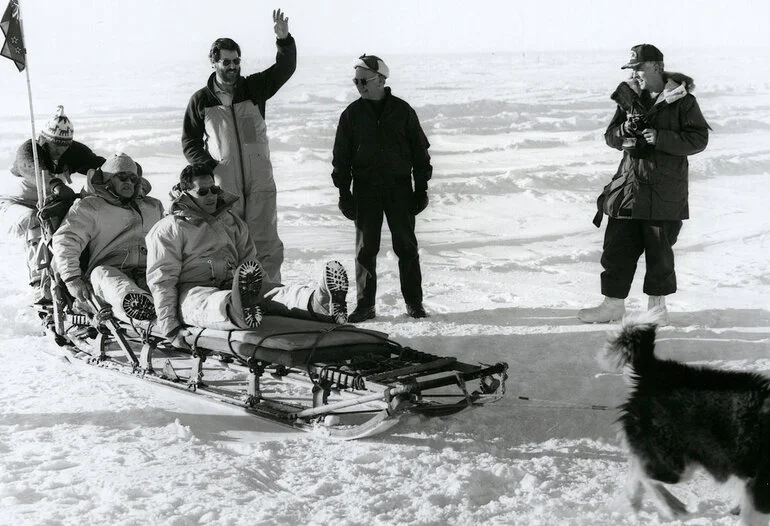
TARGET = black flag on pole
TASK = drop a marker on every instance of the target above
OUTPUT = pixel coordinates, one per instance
(13, 47)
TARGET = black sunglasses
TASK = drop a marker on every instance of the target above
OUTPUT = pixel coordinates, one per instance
(362, 82)
(226, 62)
(202, 192)
(126, 176)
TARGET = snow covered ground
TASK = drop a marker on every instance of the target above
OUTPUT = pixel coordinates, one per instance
(508, 253)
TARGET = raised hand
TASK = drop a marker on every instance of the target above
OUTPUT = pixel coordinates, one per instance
(280, 24)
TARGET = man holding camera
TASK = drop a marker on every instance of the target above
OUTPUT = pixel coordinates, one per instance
(657, 124)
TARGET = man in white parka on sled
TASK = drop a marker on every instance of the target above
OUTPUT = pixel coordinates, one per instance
(224, 128)
(202, 268)
(108, 226)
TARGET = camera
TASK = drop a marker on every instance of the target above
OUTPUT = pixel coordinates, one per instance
(636, 123)
(635, 145)
(628, 100)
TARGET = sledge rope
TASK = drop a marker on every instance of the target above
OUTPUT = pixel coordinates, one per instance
(557, 404)
(144, 334)
(198, 337)
(313, 348)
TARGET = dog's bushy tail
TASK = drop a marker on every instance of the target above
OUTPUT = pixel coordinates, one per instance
(632, 345)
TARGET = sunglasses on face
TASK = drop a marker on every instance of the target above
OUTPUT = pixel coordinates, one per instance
(226, 62)
(126, 176)
(362, 82)
(202, 192)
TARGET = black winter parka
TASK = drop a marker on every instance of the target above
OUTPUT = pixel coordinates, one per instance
(381, 152)
(660, 179)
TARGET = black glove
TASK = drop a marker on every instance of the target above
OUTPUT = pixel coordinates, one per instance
(347, 205)
(420, 201)
(61, 191)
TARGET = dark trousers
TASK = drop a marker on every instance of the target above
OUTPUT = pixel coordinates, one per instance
(625, 240)
(396, 204)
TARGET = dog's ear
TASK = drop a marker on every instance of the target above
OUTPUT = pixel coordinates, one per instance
(633, 344)
(646, 339)
(640, 340)
(611, 358)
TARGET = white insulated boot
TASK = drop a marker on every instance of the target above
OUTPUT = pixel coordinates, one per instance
(658, 304)
(611, 309)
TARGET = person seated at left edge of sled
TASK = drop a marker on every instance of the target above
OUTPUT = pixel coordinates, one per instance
(58, 155)
(108, 226)
(202, 268)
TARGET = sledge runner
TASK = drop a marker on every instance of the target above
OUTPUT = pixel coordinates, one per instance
(59, 156)
(203, 270)
(105, 230)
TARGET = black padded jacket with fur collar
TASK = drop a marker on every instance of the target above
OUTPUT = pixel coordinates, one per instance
(660, 179)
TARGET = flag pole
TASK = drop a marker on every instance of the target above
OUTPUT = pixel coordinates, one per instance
(38, 175)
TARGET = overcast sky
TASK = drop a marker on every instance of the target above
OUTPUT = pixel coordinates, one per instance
(117, 30)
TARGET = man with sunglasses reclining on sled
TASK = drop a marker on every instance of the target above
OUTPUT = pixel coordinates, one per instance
(202, 268)
(107, 229)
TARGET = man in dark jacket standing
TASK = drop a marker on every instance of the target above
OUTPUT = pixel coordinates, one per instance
(657, 126)
(380, 147)
(224, 128)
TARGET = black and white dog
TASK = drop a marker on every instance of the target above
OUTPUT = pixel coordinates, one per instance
(678, 417)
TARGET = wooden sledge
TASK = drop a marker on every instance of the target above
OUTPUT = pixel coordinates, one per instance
(336, 380)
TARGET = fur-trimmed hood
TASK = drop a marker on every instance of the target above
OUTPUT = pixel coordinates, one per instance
(95, 185)
(677, 86)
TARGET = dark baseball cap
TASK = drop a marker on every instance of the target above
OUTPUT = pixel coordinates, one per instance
(643, 53)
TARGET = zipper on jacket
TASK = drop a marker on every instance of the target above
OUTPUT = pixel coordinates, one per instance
(125, 259)
(240, 150)
(211, 267)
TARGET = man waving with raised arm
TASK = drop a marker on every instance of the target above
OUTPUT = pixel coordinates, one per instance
(224, 128)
